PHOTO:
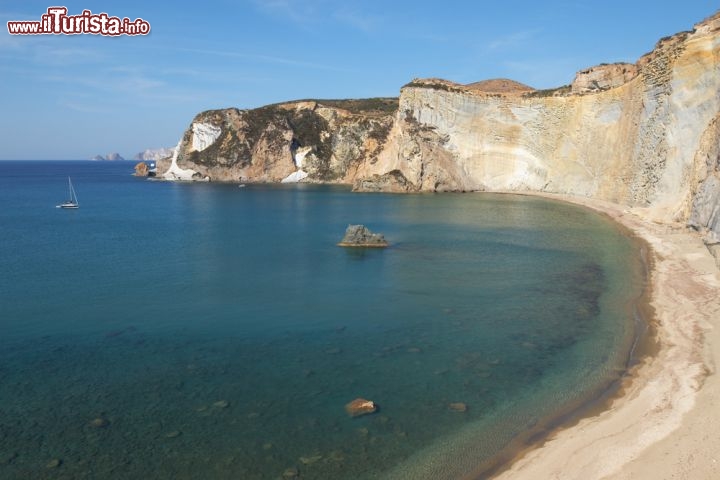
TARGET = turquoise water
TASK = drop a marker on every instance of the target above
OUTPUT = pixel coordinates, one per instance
(208, 331)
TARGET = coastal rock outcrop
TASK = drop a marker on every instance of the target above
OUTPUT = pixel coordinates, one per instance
(308, 140)
(393, 181)
(361, 236)
(142, 170)
(603, 77)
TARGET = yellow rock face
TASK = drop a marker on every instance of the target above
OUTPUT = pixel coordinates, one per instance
(643, 139)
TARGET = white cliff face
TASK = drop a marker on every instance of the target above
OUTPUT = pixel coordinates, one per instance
(505, 143)
(175, 173)
(295, 177)
(204, 135)
(498, 155)
(300, 155)
(299, 159)
(692, 104)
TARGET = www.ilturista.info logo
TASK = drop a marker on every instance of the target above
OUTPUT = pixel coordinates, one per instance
(57, 22)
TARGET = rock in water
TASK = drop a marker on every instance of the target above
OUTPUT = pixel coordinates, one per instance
(458, 407)
(360, 236)
(309, 460)
(142, 170)
(291, 473)
(99, 422)
(360, 406)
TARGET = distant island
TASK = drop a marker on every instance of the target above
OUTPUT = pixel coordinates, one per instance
(109, 157)
(150, 154)
(154, 154)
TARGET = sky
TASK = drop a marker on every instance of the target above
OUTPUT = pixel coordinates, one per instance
(72, 97)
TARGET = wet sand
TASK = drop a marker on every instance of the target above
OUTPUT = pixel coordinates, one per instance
(666, 422)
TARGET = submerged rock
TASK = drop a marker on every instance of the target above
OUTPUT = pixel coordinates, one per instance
(360, 406)
(99, 422)
(310, 459)
(291, 473)
(337, 456)
(458, 407)
(361, 236)
(54, 463)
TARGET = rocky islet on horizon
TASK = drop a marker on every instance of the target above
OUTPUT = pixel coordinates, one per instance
(150, 154)
(110, 157)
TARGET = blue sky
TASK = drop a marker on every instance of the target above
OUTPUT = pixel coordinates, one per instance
(71, 97)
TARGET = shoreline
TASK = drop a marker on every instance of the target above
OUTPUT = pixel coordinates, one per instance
(653, 424)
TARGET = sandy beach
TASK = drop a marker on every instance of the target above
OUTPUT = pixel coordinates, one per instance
(666, 423)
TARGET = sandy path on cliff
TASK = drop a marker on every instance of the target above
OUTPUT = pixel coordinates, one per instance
(666, 425)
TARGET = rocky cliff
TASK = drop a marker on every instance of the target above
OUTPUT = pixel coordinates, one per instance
(317, 141)
(643, 135)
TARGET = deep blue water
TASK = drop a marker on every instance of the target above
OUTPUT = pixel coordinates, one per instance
(218, 332)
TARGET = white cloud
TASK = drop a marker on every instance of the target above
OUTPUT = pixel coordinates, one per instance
(516, 40)
(364, 22)
(312, 13)
(83, 107)
(301, 12)
(263, 58)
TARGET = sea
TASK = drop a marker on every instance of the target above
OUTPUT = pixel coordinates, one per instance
(215, 331)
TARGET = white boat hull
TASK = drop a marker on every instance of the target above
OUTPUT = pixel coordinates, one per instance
(73, 201)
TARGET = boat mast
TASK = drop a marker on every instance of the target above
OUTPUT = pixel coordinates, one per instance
(73, 195)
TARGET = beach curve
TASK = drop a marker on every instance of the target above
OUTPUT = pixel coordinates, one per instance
(660, 428)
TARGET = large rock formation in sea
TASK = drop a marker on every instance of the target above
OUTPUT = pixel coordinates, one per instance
(361, 236)
(642, 135)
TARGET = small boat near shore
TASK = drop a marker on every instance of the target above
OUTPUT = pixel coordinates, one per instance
(72, 202)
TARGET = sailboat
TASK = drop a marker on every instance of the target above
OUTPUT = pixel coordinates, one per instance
(73, 201)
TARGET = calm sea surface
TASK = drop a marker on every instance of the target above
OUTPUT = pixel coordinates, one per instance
(197, 331)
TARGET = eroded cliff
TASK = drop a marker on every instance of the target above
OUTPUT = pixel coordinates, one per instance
(644, 135)
(319, 141)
